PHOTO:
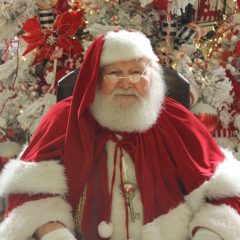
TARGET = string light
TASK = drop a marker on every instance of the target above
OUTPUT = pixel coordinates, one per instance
(87, 6)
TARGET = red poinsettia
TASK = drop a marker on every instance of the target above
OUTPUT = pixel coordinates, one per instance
(61, 6)
(61, 36)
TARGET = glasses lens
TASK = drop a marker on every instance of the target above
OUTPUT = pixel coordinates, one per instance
(134, 78)
(111, 78)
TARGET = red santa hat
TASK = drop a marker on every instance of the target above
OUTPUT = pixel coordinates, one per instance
(124, 45)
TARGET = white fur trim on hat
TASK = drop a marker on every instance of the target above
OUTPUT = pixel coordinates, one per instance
(124, 45)
(33, 178)
(23, 221)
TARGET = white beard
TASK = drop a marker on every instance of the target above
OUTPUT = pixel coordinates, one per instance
(137, 117)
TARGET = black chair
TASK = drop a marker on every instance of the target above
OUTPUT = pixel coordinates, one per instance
(177, 86)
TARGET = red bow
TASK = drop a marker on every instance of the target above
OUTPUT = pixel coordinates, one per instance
(61, 36)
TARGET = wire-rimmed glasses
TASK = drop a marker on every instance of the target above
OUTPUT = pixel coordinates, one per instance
(132, 78)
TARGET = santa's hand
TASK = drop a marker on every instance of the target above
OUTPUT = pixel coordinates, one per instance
(206, 234)
(59, 234)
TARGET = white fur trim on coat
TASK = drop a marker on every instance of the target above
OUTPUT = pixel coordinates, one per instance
(225, 182)
(222, 219)
(174, 225)
(150, 231)
(23, 221)
(171, 226)
(33, 178)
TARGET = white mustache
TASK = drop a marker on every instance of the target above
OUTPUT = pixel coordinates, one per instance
(125, 92)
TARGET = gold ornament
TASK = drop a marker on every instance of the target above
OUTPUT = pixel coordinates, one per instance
(46, 4)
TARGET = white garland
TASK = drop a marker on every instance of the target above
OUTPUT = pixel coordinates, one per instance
(32, 115)
(7, 71)
(217, 88)
(25, 68)
(128, 14)
(12, 15)
(214, 85)
(17, 74)
(24, 64)
(97, 29)
(4, 96)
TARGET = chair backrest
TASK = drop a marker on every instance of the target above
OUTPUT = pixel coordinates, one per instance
(177, 86)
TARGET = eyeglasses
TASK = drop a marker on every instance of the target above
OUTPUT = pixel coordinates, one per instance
(132, 78)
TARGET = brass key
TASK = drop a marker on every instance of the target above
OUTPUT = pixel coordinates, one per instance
(130, 191)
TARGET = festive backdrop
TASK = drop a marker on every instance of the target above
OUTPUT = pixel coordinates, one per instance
(43, 40)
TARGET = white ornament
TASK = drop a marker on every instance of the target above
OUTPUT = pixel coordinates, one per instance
(105, 230)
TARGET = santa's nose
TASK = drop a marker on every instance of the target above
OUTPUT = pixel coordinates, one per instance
(124, 82)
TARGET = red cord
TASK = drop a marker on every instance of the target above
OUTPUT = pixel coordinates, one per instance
(108, 213)
(124, 194)
(112, 185)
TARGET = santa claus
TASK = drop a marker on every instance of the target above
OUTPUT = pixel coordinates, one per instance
(119, 160)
